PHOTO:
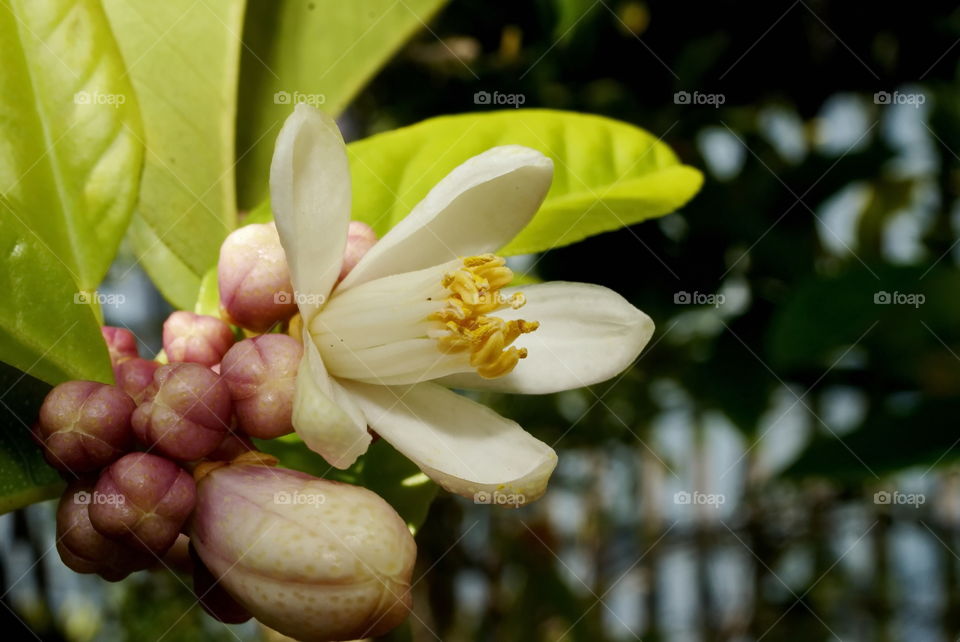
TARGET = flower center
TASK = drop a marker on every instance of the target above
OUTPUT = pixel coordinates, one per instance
(474, 293)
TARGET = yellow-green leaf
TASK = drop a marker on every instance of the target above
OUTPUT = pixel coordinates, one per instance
(320, 51)
(183, 58)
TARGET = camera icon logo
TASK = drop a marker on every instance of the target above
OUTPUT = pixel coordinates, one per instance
(283, 298)
(881, 298)
(681, 497)
(82, 498)
(681, 298)
(482, 98)
(281, 497)
(281, 98)
(681, 98)
(881, 497)
(882, 98)
(481, 497)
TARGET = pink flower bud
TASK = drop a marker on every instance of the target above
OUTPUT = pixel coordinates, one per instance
(120, 342)
(311, 558)
(82, 548)
(262, 376)
(196, 338)
(185, 413)
(143, 501)
(84, 425)
(360, 238)
(134, 376)
(254, 279)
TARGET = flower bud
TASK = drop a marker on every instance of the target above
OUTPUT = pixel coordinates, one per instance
(196, 338)
(82, 548)
(254, 279)
(134, 376)
(185, 413)
(143, 501)
(262, 376)
(311, 558)
(84, 425)
(360, 238)
(120, 342)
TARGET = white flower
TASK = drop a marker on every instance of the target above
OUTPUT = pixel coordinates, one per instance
(428, 308)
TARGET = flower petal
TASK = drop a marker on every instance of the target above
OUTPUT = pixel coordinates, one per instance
(477, 208)
(587, 334)
(324, 415)
(460, 444)
(310, 198)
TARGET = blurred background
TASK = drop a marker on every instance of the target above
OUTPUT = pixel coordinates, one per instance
(781, 462)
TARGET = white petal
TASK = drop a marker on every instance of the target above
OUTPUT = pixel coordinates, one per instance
(477, 208)
(310, 198)
(324, 415)
(587, 334)
(380, 332)
(462, 445)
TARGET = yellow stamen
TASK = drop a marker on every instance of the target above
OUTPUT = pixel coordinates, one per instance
(466, 325)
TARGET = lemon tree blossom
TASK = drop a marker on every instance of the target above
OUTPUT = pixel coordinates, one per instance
(428, 308)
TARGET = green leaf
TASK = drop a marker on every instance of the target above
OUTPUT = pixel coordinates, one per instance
(322, 51)
(607, 174)
(921, 433)
(183, 57)
(71, 150)
(382, 469)
(47, 327)
(208, 299)
(398, 480)
(69, 169)
(24, 477)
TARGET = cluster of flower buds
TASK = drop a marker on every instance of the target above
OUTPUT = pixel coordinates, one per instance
(164, 457)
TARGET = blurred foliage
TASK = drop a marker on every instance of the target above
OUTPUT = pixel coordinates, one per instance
(797, 132)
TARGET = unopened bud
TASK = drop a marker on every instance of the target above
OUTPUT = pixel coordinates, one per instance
(196, 338)
(120, 342)
(254, 279)
(82, 548)
(262, 376)
(134, 376)
(185, 413)
(360, 238)
(143, 501)
(84, 425)
(311, 558)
